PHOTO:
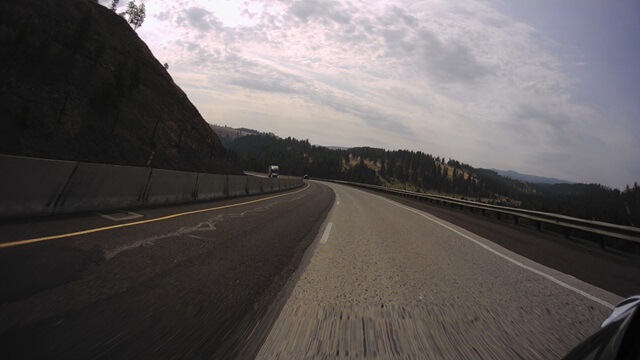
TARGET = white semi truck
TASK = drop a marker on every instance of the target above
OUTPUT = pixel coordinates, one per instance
(273, 171)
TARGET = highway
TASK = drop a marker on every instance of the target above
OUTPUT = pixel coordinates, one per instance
(324, 271)
(389, 281)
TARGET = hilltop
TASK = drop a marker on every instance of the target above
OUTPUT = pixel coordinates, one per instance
(77, 83)
(228, 134)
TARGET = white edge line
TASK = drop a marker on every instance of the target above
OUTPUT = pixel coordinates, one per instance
(565, 285)
(325, 235)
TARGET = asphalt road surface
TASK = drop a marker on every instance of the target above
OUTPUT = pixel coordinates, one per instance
(389, 281)
(194, 286)
(326, 271)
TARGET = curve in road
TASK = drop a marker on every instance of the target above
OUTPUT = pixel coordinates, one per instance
(386, 282)
(196, 286)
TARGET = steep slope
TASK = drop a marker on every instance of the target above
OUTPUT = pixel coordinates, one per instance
(77, 83)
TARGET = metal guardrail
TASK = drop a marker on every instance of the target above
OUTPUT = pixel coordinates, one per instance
(538, 218)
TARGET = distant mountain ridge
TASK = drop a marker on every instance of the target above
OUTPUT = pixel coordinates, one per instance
(533, 179)
(418, 171)
(228, 134)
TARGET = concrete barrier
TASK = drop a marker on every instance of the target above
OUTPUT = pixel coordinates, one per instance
(166, 186)
(211, 186)
(34, 187)
(104, 187)
(237, 185)
(31, 186)
(254, 185)
(267, 185)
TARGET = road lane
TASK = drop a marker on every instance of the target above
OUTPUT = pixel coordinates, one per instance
(6, 244)
(190, 286)
(389, 283)
(536, 269)
(618, 273)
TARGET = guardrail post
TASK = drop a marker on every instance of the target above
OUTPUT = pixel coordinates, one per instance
(499, 215)
(567, 232)
(601, 241)
(515, 219)
(539, 225)
(483, 212)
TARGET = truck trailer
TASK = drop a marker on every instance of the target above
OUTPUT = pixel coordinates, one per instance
(273, 171)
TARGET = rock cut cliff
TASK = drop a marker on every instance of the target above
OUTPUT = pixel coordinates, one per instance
(77, 83)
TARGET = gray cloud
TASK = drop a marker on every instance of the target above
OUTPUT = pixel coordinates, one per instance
(368, 113)
(200, 55)
(260, 77)
(200, 19)
(445, 62)
(163, 16)
(404, 15)
(550, 126)
(255, 82)
(320, 10)
(448, 62)
(459, 71)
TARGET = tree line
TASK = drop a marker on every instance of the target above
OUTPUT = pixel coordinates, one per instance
(424, 172)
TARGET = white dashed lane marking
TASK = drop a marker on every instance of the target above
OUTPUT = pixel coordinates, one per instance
(327, 231)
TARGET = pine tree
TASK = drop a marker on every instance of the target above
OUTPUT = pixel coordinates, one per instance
(135, 13)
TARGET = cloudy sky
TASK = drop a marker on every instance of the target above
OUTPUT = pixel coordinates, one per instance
(545, 87)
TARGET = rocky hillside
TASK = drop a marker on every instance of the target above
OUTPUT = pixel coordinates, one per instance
(77, 83)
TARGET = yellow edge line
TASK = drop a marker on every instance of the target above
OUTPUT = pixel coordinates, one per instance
(53, 237)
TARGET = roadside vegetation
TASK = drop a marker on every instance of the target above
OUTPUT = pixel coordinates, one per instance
(418, 171)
